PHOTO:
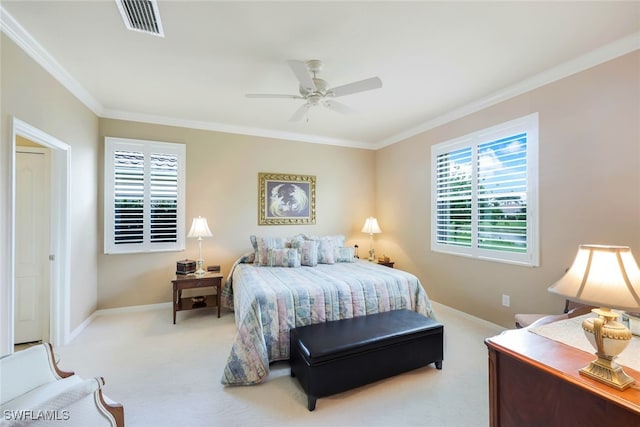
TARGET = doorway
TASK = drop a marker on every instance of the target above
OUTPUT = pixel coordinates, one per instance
(32, 232)
(59, 250)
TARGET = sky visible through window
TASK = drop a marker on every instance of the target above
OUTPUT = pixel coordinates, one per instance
(500, 186)
(502, 166)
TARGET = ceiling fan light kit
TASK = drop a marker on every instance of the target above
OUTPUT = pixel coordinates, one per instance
(316, 91)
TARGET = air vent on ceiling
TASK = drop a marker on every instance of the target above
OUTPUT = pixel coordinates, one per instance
(141, 15)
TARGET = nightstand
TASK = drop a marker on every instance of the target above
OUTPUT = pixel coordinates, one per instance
(191, 281)
(386, 263)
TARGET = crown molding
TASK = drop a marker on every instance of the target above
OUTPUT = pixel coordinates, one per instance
(606, 53)
(31, 47)
(27, 43)
(233, 129)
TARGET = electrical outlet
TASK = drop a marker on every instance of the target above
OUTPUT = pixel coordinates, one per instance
(506, 300)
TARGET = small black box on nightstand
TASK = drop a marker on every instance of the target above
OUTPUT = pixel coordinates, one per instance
(185, 266)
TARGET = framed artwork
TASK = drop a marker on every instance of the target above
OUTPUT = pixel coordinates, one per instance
(286, 199)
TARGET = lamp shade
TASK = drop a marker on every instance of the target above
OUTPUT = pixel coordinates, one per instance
(605, 276)
(199, 228)
(371, 226)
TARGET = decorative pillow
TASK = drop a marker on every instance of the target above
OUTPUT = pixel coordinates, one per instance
(345, 254)
(338, 239)
(308, 252)
(254, 244)
(326, 251)
(248, 258)
(288, 257)
(294, 240)
(266, 243)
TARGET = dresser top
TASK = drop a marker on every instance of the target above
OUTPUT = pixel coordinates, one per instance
(563, 361)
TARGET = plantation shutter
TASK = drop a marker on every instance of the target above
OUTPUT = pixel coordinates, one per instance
(454, 198)
(144, 196)
(164, 198)
(502, 194)
(128, 197)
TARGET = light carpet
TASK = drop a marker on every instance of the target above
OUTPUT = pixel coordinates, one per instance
(169, 375)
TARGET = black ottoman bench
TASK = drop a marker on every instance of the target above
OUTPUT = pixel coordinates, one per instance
(336, 356)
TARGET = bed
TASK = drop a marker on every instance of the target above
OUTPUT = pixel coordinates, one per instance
(270, 300)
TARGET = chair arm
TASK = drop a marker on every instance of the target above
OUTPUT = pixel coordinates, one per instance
(115, 409)
(548, 319)
(579, 311)
(94, 409)
(28, 369)
(54, 364)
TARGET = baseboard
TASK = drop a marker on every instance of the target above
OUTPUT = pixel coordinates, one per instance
(467, 316)
(80, 327)
(133, 308)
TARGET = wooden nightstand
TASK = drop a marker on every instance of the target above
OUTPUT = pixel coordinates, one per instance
(386, 263)
(191, 281)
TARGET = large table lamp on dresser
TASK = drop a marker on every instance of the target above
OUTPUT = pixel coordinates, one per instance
(607, 277)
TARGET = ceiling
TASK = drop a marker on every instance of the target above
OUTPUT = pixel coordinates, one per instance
(437, 60)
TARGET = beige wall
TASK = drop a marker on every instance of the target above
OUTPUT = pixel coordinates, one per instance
(33, 96)
(589, 168)
(589, 189)
(222, 186)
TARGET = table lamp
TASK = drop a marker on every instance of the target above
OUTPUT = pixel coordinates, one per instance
(607, 277)
(371, 226)
(200, 229)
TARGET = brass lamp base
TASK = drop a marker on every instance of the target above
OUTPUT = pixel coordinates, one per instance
(609, 338)
(608, 372)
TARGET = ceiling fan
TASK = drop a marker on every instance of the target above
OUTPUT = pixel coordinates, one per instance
(316, 91)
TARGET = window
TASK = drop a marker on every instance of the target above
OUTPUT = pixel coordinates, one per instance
(484, 193)
(144, 196)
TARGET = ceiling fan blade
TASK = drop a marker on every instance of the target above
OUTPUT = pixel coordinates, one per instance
(355, 87)
(337, 106)
(300, 112)
(301, 72)
(267, 95)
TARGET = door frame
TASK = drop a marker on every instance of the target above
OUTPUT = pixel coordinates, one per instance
(59, 325)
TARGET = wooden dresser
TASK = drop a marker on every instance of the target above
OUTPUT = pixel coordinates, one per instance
(534, 381)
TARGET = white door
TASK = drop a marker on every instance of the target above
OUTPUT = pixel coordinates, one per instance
(32, 246)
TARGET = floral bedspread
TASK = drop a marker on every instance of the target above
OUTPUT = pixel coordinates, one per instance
(269, 301)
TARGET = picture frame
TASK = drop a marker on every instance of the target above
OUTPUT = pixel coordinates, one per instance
(286, 199)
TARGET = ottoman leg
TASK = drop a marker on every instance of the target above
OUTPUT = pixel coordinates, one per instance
(311, 403)
(438, 364)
